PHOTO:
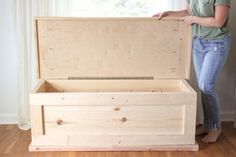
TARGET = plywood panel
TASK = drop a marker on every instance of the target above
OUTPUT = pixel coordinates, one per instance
(37, 121)
(112, 98)
(115, 120)
(113, 48)
(103, 141)
(114, 86)
(174, 147)
(106, 85)
(40, 87)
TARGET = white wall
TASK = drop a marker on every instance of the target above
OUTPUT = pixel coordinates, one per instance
(227, 81)
(8, 68)
(8, 64)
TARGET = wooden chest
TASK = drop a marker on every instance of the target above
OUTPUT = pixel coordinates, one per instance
(113, 84)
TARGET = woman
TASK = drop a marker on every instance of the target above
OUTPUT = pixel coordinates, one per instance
(211, 44)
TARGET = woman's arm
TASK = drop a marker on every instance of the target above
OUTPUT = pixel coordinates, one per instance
(180, 13)
(221, 14)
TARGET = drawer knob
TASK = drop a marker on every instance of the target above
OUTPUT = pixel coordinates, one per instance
(124, 119)
(59, 122)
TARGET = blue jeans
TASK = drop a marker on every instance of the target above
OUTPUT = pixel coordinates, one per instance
(208, 58)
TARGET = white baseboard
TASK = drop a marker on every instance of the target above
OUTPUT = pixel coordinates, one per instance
(8, 119)
(228, 116)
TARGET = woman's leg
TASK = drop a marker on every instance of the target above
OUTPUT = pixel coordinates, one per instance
(198, 59)
(216, 54)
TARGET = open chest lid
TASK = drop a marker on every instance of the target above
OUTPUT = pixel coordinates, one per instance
(95, 48)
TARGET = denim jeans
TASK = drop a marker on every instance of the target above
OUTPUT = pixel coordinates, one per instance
(209, 57)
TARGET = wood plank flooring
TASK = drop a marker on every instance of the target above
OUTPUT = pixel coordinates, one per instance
(14, 143)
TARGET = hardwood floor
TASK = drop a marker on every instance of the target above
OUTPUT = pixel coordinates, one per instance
(14, 143)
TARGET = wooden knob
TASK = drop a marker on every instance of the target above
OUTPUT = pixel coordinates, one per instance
(59, 122)
(124, 119)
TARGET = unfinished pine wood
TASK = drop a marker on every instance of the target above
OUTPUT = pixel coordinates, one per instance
(113, 84)
(110, 141)
(122, 118)
(188, 48)
(113, 48)
(183, 84)
(37, 121)
(40, 87)
(115, 120)
(112, 98)
(193, 147)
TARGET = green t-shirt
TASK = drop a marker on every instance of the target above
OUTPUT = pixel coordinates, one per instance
(206, 8)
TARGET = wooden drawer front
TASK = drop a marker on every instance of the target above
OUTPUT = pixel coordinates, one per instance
(114, 120)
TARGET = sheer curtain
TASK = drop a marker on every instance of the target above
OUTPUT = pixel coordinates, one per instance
(164, 5)
(24, 45)
(26, 10)
(122, 7)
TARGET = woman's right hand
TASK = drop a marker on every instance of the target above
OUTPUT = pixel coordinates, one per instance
(161, 15)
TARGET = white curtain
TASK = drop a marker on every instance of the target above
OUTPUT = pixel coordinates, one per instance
(123, 7)
(23, 29)
(166, 5)
(26, 10)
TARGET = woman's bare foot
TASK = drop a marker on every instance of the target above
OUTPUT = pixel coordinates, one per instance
(201, 130)
(212, 136)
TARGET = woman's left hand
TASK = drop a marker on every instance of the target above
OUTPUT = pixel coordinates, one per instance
(189, 20)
